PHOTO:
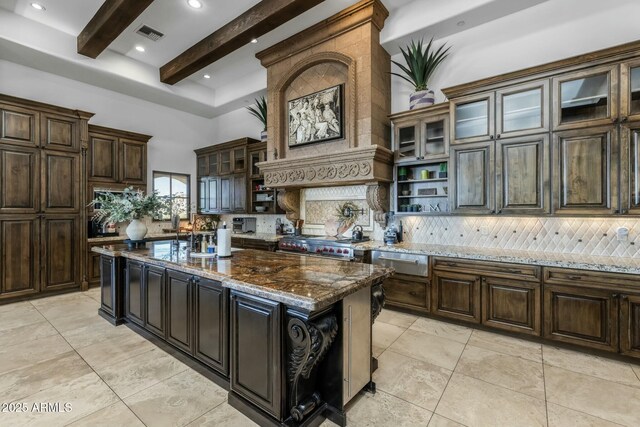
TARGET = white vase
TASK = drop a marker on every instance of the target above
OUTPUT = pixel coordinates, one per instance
(421, 98)
(136, 230)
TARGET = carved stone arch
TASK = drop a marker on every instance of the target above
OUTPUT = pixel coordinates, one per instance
(279, 121)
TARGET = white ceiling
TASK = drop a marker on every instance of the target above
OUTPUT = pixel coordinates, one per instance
(236, 78)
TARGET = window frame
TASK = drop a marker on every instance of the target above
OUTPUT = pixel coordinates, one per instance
(172, 197)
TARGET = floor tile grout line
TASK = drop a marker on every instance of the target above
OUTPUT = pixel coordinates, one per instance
(544, 384)
(209, 410)
(593, 376)
(636, 372)
(586, 413)
(451, 376)
(504, 336)
(90, 367)
(406, 401)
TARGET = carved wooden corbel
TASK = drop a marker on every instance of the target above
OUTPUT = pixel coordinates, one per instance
(289, 201)
(378, 201)
(377, 301)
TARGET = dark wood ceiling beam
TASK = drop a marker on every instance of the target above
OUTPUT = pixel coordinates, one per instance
(255, 22)
(113, 17)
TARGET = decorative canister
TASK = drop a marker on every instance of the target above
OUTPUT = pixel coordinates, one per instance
(421, 98)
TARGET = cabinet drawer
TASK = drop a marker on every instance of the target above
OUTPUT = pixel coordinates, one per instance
(406, 291)
(591, 278)
(493, 269)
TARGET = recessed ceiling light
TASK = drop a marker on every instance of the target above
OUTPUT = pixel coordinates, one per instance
(461, 23)
(140, 48)
(196, 4)
(38, 6)
(207, 76)
(254, 41)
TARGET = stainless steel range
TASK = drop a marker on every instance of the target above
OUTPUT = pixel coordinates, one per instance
(320, 246)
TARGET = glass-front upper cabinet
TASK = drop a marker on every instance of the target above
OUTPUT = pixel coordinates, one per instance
(434, 137)
(585, 98)
(472, 118)
(406, 137)
(239, 160)
(522, 110)
(225, 162)
(213, 164)
(630, 91)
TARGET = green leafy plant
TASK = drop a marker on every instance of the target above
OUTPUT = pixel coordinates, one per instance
(129, 205)
(260, 111)
(421, 63)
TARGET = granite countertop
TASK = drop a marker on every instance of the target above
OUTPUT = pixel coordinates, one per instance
(267, 237)
(307, 283)
(546, 259)
(123, 237)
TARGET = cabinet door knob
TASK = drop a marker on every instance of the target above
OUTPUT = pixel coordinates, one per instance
(498, 136)
(624, 119)
(500, 211)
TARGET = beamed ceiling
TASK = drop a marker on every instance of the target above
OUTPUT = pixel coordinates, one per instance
(213, 40)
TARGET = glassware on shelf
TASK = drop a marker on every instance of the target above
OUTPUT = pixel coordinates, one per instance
(434, 139)
(407, 141)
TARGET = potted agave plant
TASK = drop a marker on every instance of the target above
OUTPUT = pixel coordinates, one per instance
(260, 112)
(421, 64)
(130, 206)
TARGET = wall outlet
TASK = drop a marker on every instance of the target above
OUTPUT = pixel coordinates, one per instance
(622, 234)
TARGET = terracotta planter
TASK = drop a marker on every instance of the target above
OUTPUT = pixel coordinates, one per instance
(421, 98)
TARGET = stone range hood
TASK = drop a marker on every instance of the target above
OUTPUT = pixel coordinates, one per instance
(341, 50)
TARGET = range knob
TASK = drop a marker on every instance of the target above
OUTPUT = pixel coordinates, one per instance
(319, 251)
(331, 250)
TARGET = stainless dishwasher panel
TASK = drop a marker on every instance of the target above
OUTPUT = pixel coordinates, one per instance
(356, 341)
(415, 265)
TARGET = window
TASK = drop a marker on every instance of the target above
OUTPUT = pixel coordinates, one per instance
(174, 187)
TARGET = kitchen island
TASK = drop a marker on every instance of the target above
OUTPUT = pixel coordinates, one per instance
(289, 335)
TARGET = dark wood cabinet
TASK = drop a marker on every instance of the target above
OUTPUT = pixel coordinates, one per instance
(19, 256)
(93, 267)
(19, 126)
(60, 245)
(211, 326)
(407, 291)
(630, 325)
(134, 292)
(630, 168)
(472, 181)
(59, 132)
(103, 158)
(585, 98)
(512, 305)
(239, 194)
(585, 171)
(223, 171)
(107, 274)
(256, 342)
(225, 189)
(179, 310)
(117, 156)
(133, 167)
(522, 175)
(155, 302)
(456, 295)
(19, 180)
(60, 182)
(583, 315)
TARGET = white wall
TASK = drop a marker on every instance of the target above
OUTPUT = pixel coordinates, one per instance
(547, 32)
(175, 134)
(236, 124)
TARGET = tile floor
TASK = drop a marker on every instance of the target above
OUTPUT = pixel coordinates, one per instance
(431, 374)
